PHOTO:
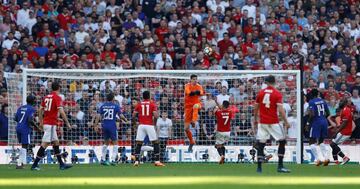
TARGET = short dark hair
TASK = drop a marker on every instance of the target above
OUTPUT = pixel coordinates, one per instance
(55, 86)
(270, 79)
(343, 102)
(146, 95)
(30, 100)
(193, 76)
(110, 96)
(226, 104)
(314, 93)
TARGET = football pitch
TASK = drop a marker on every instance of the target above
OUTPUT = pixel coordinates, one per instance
(181, 175)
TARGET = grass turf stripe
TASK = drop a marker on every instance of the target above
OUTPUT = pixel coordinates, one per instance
(148, 181)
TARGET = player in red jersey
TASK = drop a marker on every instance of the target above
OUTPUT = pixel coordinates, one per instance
(48, 117)
(344, 130)
(268, 104)
(222, 136)
(146, 111)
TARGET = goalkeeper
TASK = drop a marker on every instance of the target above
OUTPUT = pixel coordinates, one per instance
(193, 91)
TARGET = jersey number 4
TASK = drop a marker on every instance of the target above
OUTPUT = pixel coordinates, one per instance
(266, 100)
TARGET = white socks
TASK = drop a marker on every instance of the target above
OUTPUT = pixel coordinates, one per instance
(314, 151)
(22, 157)
(114, 152)
(324, 151)
(103, 152)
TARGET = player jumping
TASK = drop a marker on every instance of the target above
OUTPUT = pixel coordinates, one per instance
(146, 111)
(222, 136)
(268, 103)
(318, 112)
(25, 121)
(48, 117)
(344, 131)
(193, 91)
(108, 112)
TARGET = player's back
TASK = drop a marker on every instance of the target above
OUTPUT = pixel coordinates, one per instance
(23, 114)
(268, 99)
(51, 104)
(319, 108)
(108, 112)
(347, 114)
(145, 111)
(223, 117)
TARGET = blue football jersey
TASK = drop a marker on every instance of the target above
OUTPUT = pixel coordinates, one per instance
(22, 117)
(108, 112)
(319, 108)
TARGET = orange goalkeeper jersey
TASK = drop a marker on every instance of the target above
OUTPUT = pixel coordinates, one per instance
(191, 100)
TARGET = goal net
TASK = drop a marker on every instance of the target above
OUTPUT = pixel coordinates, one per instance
(84, 91)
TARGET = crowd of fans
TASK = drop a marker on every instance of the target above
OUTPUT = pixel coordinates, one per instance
(321, 37)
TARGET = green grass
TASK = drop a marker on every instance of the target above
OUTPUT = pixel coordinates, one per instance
(174, 176)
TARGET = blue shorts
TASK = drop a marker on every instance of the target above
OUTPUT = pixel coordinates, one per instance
(110, 133)
(319, 129)
(23, 137)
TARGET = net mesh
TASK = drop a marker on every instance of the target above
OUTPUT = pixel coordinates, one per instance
(83, 93)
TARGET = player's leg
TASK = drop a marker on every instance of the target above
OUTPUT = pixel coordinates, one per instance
(19, 163)
(114, 138)
(195, 113)
(278, 132)
(323, 147)
(104, 149)
(336, 151)
(262, 136)
(56, 148)
(187, 122)
(44, 144)
(140, 135)
(150, 131)
(314, 133)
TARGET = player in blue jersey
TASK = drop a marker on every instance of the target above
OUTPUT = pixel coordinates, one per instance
(25, 121)
(318, 113)
(108, 113)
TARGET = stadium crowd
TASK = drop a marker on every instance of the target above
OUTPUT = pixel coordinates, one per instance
(321, 37)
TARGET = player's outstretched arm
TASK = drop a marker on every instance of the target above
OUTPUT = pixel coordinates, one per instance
(64, 117)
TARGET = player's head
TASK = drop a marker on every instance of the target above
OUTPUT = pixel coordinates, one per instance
(146, 95)
(30, 100)
(314, 93)
(110, 97)
(193, 78)
(226, 104)
(343, 102)
(270, 80)
(55, 86)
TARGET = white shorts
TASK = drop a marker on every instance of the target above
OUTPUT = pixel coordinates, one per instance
(265, 130)
(222, 137)
(340, 138)
(144, 130)
(50, 134)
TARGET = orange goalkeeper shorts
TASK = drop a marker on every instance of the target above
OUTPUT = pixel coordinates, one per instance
(192, 113)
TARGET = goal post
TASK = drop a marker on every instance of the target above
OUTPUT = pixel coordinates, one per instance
(83, 92)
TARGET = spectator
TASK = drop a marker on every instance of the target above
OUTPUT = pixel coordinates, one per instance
(164, 132)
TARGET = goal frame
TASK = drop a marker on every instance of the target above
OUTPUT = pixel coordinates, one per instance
(27, 72)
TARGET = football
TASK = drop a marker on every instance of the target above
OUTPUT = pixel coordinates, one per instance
(208, 51)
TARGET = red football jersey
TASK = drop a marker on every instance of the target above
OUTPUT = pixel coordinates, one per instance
(51, 104)
(223, 118)
(346, 114)
(268, 100)
(145, 110)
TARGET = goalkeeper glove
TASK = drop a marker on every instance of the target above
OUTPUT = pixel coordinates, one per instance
(197, 92)
(192, 93)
